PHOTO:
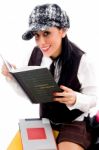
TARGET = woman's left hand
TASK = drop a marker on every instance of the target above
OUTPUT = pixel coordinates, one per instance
(67, 96)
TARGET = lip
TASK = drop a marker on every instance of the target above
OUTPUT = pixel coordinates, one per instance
(45, 49)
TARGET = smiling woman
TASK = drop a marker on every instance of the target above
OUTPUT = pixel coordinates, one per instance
(49, 25)
(72, 67)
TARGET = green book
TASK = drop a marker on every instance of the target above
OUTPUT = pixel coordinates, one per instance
(37, 82)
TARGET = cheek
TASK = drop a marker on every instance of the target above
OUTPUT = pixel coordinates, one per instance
(57, 41)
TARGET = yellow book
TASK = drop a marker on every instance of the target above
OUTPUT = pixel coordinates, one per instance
(16, 143)
(55, 132)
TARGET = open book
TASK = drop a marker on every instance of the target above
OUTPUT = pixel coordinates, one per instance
(36, 81)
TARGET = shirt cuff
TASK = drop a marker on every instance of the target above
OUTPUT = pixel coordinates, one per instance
(83, 102)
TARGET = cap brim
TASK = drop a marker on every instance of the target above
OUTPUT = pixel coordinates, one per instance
(27, 35)
(31, 32)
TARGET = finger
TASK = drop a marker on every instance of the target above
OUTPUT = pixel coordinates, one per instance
(66, 89)
(63, 94)
(4, 68)
(61, 99)
(58, 94)
(6, 74)
(64, 101)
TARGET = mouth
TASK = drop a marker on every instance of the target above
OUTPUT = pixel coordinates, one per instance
(45, 49)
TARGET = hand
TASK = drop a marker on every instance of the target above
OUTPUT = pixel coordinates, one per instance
(6, 73)
(67, 97)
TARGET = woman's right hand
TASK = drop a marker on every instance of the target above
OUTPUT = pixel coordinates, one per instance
(5, 72)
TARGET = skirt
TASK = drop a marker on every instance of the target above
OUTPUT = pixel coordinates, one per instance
(76, 132)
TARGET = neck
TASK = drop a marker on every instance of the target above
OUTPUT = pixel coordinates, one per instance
(57, 55)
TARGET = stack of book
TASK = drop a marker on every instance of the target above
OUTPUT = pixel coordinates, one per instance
(34, 134)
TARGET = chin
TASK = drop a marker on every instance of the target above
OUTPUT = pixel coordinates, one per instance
(47, 55)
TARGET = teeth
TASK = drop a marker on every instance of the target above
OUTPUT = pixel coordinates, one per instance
(44, 48)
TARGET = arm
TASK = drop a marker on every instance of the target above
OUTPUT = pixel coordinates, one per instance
(87, 76)
(11, 81)
(87, 97)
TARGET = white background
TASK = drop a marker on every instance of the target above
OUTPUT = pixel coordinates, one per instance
(84, 31)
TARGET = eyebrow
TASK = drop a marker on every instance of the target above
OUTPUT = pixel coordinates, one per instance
(42, 32)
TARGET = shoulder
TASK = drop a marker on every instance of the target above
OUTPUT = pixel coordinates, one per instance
(86, 60)
(87, 68)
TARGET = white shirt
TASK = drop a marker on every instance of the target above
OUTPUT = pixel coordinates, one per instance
(87, 99)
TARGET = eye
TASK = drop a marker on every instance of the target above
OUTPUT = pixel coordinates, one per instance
(36, 36)
(46, 33)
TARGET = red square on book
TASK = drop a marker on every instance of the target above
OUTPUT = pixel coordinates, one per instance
(36, 133)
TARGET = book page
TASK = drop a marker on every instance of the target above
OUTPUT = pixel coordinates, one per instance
(26, 68)
(12, 69)
(7, 64)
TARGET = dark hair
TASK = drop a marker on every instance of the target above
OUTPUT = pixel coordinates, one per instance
(69, 58)
(69, 49)
(66, 51)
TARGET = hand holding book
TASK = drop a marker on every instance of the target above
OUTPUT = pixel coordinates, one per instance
(36, 81)
(67, 96)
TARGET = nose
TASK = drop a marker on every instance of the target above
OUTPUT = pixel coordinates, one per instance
(42, 40)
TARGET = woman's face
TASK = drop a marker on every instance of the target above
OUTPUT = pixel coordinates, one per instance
(50, 41)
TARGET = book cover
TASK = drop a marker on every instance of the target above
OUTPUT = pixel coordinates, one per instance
(38, 84)
(37, 134)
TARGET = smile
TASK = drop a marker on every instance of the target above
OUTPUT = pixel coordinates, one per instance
(44, 49)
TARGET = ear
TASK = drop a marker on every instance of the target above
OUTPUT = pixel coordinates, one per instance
(64, 32)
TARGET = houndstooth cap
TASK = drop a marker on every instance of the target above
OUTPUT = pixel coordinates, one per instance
(45, 16)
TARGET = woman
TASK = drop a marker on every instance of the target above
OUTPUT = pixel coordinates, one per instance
(49, 24)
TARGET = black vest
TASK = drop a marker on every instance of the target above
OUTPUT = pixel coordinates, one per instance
(58, 112)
